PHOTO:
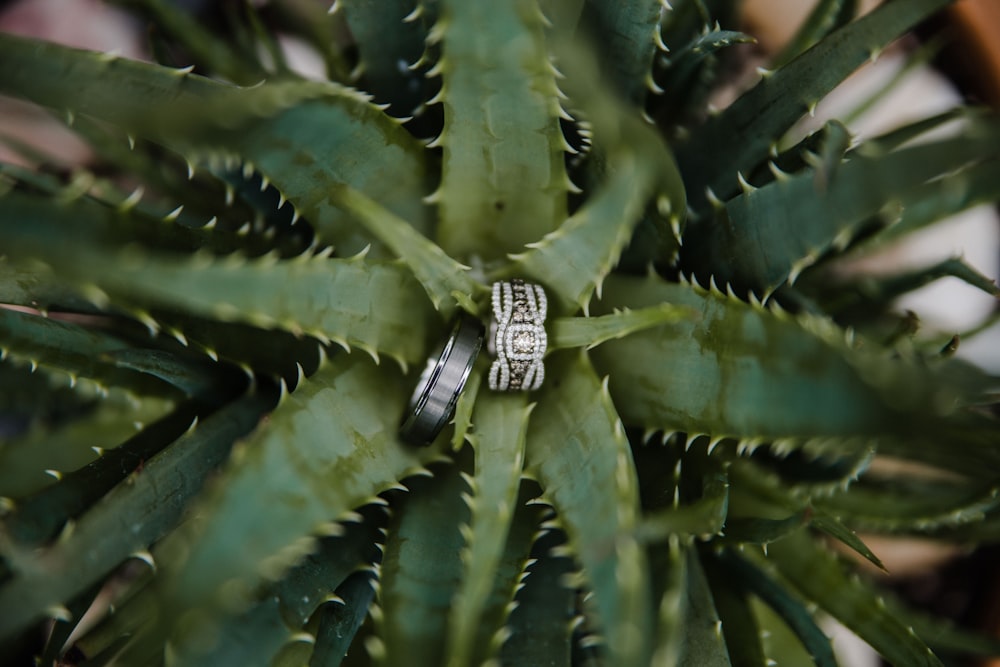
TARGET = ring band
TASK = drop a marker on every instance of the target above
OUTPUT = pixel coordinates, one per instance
(517, 337)
(433, 402)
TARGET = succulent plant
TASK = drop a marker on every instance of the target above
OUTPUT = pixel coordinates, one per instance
(214, 327)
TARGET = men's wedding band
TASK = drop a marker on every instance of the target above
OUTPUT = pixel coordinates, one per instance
(433, 402)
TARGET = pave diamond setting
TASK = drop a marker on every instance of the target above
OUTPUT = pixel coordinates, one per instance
(517, 336)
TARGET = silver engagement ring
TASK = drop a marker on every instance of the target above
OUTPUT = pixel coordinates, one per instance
(517, 337)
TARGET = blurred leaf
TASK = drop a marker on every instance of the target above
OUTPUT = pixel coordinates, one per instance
(817, 575)
(501, 424)
(787, 606)
(632, 32)
(540, 624)
(150, 507)
(422, 568)
(739, 138)
(836, 207)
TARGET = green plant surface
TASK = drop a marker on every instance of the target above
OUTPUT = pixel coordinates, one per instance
(150, 507)
(499, 96)
(847, 600)
(633, 32)
(572, 456)
(740, 138)
(210, 331)
(754, 219)
(388, 34)
(502, 423)
(39, 456)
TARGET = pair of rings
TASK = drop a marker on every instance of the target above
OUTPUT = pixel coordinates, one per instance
(516, 341)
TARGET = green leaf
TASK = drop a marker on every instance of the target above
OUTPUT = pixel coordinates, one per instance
(745, 372)
(134, 609)
(71, 350)
(330, 446)
(296, 133)
(466, 404)
(740, 137)
(390, 40)
(29, 287)
(942, 634)
(329, 298)
(312, 581)
(905, 505)
(266, 351)
(762, 531)
(212, 208)
(540, 624)
(40, 516)
(577, 449)
(495, 625)
(151, 505)
(740, 628)
(767, 490)
(922, 128)
(501, 422)
(869, 296)
(702, 642)
(439, 274)
(816, 151)
(195, 377)
(791, 610)
(684, 21)
(306, 152)
(589, 332)
(947, 195)
(295, 652)
(63, 628)
(503, 181)
(818, 576)
(573, 260)
(633, 166)
(701, 517)
(837, 530)
(279, 612)
(668, 562)
(422, 568)
(630, 34)
(339, 621)
(836, 206)
(59, 443)
(688, 72)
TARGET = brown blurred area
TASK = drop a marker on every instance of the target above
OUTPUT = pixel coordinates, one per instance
(973, 59)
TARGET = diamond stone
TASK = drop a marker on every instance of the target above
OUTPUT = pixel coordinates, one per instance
(523, 342)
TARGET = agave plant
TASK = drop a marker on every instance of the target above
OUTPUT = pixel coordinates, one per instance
(213, 330)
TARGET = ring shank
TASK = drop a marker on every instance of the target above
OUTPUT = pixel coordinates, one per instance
(433, 402)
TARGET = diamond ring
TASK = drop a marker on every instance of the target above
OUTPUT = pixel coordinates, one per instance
(517, 337)
(433, 402)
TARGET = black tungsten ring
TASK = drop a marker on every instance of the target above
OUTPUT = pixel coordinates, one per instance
(441, 383)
